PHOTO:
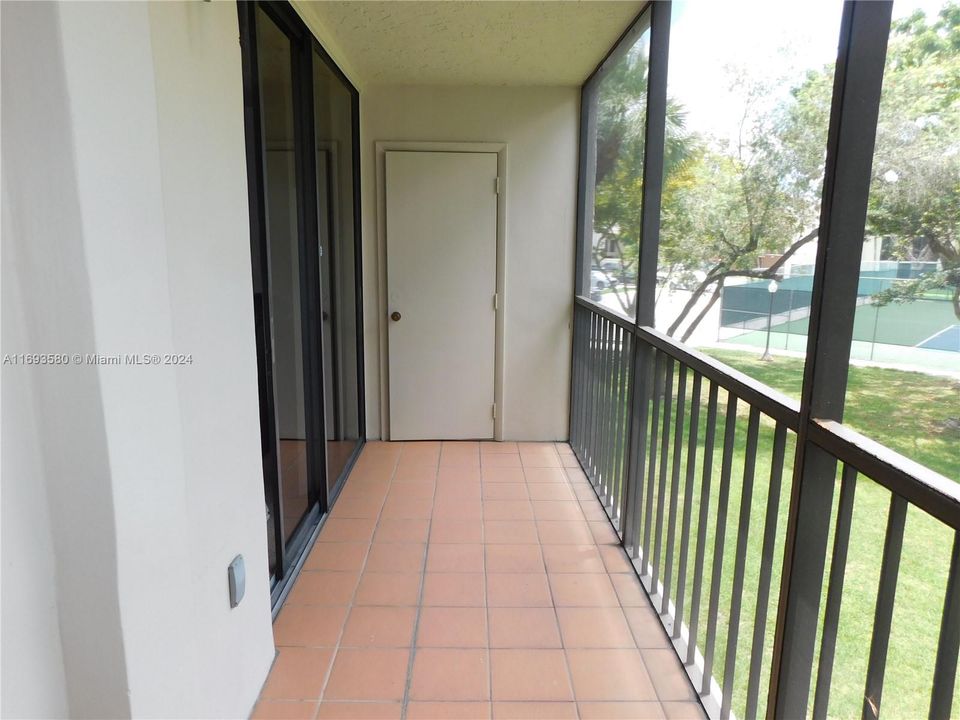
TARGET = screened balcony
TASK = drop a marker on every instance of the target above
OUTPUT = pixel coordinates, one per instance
(698, 548)
(799, 564)
(481, 359)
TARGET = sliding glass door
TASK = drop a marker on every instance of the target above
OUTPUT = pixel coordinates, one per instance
(284, 288)
(301, 120)
(334, 110)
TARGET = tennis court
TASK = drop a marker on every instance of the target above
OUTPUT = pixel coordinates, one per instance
(948, 339)
(910, 324)
(922, 333)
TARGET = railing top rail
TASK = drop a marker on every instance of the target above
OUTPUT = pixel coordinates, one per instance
(767, 400)
(775, 404)
(605, 312)
(928, 490)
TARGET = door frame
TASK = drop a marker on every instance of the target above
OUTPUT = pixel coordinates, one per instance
(288, 551)
(382, 147)
(304, 44)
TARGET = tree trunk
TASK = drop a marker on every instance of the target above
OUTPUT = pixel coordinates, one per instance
(697, 294)
(703, 313)
(716, 275)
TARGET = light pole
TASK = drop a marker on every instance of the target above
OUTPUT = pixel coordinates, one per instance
(772, 290)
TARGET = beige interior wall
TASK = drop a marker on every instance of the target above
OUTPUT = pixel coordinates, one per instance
(539, 126)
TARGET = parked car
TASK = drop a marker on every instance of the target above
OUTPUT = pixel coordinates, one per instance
(688, 280)
(598, 283)
(611, 266)
(614, 268)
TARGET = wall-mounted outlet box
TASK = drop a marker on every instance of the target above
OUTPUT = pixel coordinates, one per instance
(237, 579)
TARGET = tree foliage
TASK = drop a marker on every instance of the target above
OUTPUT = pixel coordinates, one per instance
(621, 127)
(726, 201)
(723, 203)
(915, 191)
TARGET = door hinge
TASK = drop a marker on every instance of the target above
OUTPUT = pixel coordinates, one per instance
(493, 411)
(496, 301)
(496, 185)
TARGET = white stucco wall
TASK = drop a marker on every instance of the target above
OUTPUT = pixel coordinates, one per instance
(539, 125)
(125, 230)
(33, 681)
(204, 188)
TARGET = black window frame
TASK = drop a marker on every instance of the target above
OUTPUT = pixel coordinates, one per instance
(587, 156)
(291, 554)
(857, 83)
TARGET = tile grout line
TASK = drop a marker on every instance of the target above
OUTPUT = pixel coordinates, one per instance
(412, 655)
(486, 586)
(595, 499)
(607, 574)
(353, 596)
(579, 502)
(582, 503)
(556, 614)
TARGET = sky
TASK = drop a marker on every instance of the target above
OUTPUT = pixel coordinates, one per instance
(772, 39)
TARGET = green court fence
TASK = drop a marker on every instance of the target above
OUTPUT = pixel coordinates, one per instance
(928, 322)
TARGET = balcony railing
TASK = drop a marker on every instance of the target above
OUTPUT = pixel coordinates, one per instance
(691, 459)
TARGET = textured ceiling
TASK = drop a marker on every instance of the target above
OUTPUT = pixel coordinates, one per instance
(471, 42)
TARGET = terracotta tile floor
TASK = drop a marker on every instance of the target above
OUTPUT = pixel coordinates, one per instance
(470, 580)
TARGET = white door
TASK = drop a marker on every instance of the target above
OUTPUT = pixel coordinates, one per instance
(441, 231)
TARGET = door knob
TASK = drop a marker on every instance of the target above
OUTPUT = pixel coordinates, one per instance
(395, 316)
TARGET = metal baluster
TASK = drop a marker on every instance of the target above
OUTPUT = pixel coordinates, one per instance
(616, 435)
(886, 597)
(614, 415)
(674, 487)
(708, 440)
(662, 485)
(831, 617)
(726, 466)
(644, 364)
(627, 381)
(740, 562)
(598, 407)
(604, 410)
(612, 419)
(577, 380)
(687, 502)
(583, 383)
(592, 406)
(608, 440)
(650, 479)
(945, 670)
(766, 568)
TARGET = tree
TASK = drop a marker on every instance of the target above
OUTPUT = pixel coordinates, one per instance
(621, 127)
(727, 201)
(722, 204)
(915, 191)
(757, 195)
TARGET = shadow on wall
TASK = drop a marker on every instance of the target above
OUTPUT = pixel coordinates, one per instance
(47, 308)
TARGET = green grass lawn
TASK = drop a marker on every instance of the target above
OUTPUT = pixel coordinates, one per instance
(906, 411)
(909, 413)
